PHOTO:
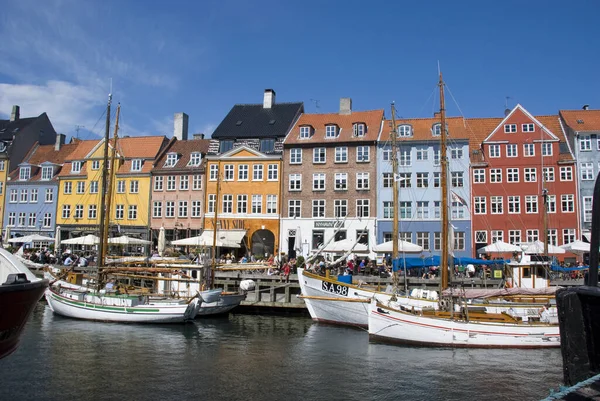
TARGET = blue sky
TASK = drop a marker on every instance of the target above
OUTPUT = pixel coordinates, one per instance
(202, 57)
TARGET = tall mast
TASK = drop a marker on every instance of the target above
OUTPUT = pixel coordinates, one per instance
(444, 185)
(102, 253)
(394, 138)
(545, 199)
(110, 181)
(214, 244)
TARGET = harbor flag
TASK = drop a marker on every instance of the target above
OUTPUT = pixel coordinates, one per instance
(456, 198)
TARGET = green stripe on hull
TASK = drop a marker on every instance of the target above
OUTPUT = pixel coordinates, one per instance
(102, 307)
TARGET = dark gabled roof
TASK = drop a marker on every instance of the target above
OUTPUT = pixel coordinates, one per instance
(255, 121)
(9, 128)
(184, 149)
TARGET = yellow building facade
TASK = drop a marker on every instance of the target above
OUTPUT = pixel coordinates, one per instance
(244, 187)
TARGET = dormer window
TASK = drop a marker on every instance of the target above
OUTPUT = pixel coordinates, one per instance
(305, 132)
(359, 129)
(267, 145)
(47, 172)
(226, 146)
(436, 130)
(195, 159)
(24, 173)
(404, 130)
(331, 131)
(76, 167)
(171, 160)
(136, 165)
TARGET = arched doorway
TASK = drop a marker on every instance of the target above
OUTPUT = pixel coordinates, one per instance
(263, 243)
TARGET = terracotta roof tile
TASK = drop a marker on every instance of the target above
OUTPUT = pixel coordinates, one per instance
(345, 122)
(44, 153)
(184, 149)
(141, 147)
(582, 120)
(421, 129)
(82, 150)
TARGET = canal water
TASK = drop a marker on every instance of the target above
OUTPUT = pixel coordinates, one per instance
(249, 357)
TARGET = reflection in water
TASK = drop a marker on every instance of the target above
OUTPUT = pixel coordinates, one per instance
(257, 357)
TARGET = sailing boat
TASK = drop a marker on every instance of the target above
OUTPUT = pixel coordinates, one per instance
(456, 323)
(101, 305)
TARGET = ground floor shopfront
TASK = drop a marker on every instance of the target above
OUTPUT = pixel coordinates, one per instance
(305, 236)
(261, 239)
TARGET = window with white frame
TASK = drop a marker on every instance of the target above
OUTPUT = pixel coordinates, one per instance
(531, 204)
(196, 182)
(318, 208)
(1, 188)
(510, 128)
(242, 204)
(340, 208)
(271, 204)
(228, 170)
(496, 205)
(458, 210)
(422, 180)
(496, 175)
(157, 209)
(422, 154)
(532, 235)
(547, 149)
(33, 198)
(331, 131)
(24, 173)
(305, 132)
(134, 186)
(214, 172)
(480, 205)
(514, 204)
(359, 129)
(423, 240)
(437, 155)
(256, 203)
(94, 187)
(404, 159)
(552, 236)
(437, 241)
(257, 172)
(481, 237)
(49, 198)
(24, 196)
(171, 183)
(566, 173)
(568, 235)
(121, 186)
(295, 182)
(388, 210)
(136, 165)
(497, 235)
(171, 160)
(528, 149)
(362, 154)
(120, 212)
(567, 203)
(387, 180)
(318, 182)
(514, 236)
(227, 205)
(456, 153)
(457, 178)
(363, 208)
(549, 174)
(296, 156)
(47, 172)
(195, 159)
(132, 212)
(479, 176)
(341, 181)
(47, 220)
(404, 180)
(436, 209)
(319, 155)
(459, 241)
(80, 187)
(294, 208)
(272, 172)
(405, 209)
(587, 171)
(551, 203)
(494, 150)
(422, 210)
(13, 196)
(386, 155)
(362, 181)
(2, 165)
(75, 167)
(585, 143)
(404, 130)
(31, 220)
(196, 208)
(183, 209)
(22, 218)
(512, 150)
(436, 129)
(184, 182)
(95, 164)
(512, 175)
(158, 183)
(587, 209)
(530, 174)
(92, 212)
(170, 208)
(528, 127)
(211, 203)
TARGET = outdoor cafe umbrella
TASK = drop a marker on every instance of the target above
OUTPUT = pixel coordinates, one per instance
(57, 238)
(161, 241)
(499, 246)
(537, 247)
(576, 247)
(345, 245)
(403, 246)
(31, 238)
(125, 240)
(89, 239)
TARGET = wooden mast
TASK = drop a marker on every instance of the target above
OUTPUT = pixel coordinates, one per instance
(110, 181)
(214, 244)
(394, 138)
(444, 185)
(102, 250)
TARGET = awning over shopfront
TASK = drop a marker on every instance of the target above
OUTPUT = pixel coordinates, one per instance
(225, 238)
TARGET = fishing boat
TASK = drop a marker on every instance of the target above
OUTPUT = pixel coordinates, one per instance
(104, 304)
(20, 291)
(456, 323)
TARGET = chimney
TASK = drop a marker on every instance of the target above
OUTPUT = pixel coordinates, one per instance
(506, 112)
(586, 107)
(60, 140)
(16, 111)
(269, 99)
(345, 106)
(180, 122)
(199, 136)
(437, 114)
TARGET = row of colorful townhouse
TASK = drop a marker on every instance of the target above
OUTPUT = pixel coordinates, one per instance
(276, 179)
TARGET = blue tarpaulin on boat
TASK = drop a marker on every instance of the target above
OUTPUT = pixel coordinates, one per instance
(558, 268)
(399, 263)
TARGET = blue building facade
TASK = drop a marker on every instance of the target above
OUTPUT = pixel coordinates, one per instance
(419, 187)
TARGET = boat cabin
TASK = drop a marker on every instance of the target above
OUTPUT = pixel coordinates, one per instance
(529, 271)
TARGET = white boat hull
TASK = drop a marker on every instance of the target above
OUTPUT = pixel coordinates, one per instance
(153, 312)
(225, 304)
(393, 325)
